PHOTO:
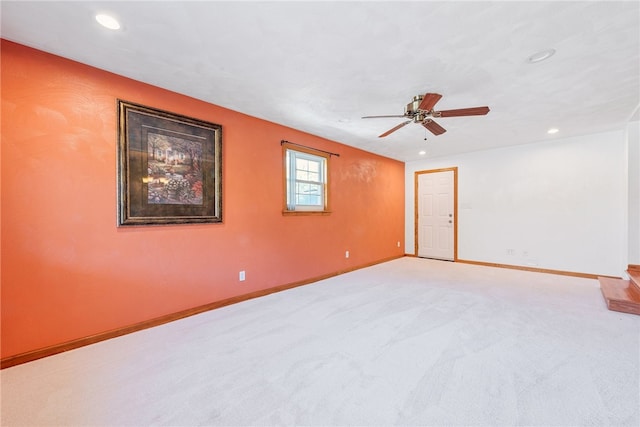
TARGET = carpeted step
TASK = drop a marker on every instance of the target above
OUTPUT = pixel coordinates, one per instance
(620, 295)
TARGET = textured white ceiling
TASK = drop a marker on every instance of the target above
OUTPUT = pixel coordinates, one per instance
(320, 66)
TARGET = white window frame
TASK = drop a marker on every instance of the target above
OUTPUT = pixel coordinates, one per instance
(290, 155)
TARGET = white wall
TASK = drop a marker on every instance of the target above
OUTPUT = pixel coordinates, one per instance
(633, 133)
(559, 205)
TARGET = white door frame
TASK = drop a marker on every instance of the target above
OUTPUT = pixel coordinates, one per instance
(455, 207)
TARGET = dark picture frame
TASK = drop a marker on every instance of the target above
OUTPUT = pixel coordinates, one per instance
(169, 168)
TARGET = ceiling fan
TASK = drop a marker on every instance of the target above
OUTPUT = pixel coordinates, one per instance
(420, 110)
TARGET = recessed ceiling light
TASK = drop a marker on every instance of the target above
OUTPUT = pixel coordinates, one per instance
(541, 56)
(553, 130)
(108, 21)
(422, 153)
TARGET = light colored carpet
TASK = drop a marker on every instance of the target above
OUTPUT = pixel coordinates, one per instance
(407, 342)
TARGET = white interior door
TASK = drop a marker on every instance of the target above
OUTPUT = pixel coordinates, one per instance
(435, 218)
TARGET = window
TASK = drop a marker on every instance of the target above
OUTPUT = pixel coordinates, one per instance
(306, 179)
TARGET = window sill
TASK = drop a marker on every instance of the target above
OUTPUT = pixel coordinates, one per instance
(307, 213)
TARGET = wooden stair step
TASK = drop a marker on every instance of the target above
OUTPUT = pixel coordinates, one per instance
(634, 274)
(620, 295)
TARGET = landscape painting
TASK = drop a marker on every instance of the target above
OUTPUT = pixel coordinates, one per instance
(169, 168)
(174, 174)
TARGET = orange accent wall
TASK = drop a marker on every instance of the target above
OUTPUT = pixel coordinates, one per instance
(68, 272)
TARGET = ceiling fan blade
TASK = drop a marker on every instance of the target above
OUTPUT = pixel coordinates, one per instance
(429, 101)
(395, 128)
(379, 117)
(433, 127)
(475, 111)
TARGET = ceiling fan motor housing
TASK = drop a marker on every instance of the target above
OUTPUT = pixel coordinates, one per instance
(412, 108)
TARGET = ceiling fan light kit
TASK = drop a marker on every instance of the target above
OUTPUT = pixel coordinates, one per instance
(420, 110)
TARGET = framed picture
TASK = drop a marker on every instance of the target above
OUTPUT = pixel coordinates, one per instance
(169, 168)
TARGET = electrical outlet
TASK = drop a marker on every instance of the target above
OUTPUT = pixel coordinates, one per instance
(242, 276)
(398, 243)
(346, 254)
